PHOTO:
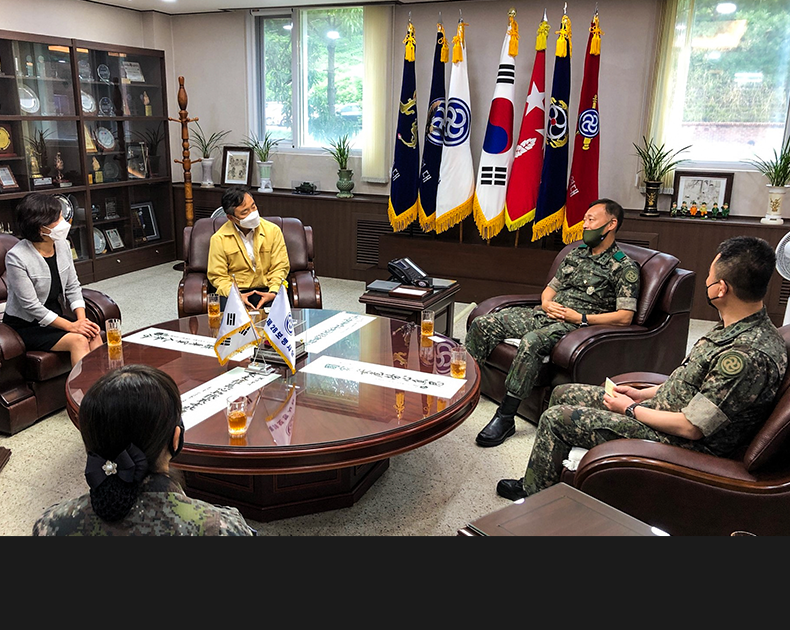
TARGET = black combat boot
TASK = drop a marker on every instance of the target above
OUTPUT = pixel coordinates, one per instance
(502, 425)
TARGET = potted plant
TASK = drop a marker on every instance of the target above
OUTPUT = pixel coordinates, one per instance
(206, 145)
(340, 149)
(657, 161)
(152, 138)
(777, 170)
(262, 148)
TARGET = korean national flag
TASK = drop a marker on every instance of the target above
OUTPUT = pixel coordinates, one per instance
(236, 332)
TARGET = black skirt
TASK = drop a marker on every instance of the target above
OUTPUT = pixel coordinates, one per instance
(36, 337)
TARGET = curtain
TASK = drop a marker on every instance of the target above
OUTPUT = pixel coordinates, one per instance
(377, 48)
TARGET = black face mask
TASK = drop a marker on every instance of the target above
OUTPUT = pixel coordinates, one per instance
(176, 451)
(710, 299)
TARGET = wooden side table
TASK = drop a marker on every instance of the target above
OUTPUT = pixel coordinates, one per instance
(440, 301)
(560, 510)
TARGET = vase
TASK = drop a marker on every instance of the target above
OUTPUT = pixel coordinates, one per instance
(651, 199)
(265, 176)
(207, 164)
(773, 215)
(344, 183)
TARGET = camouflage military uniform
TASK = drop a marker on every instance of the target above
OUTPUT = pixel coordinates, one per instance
(162, 509)
(587, 283)
(725, 387)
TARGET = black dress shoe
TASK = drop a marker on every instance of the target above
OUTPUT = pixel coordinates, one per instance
(512, 489)
(497, 431)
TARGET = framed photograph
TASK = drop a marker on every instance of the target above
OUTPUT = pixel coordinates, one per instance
(7, 180)
(144, 220)
(236, 166)
(114, 239)
(699, 187)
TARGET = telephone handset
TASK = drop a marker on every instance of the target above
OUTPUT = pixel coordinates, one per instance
(406, 272)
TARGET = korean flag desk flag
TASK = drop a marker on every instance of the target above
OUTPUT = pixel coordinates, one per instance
(279, 328)
(236, 332)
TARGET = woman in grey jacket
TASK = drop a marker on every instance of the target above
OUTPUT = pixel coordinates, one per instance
(43, 289)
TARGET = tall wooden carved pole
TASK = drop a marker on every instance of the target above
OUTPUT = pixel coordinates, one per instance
(186, 162)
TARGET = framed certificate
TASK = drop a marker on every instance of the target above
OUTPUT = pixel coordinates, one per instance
(114, 239)
(7, 180)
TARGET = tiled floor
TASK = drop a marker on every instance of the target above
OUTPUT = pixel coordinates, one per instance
(431, 491)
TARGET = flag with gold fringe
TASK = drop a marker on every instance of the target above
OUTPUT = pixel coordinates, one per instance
(406, 162)
(550, 207)
(496, 158)
(522, 188)
(279, 328)
(583, 181)
(456, 189)
(236, 331)
(434, 136)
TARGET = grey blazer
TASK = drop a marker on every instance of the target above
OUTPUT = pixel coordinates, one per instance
(29, 281)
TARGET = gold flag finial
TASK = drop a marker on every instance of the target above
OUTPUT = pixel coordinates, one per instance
(595, 29)
(513, 32)
(410, 42)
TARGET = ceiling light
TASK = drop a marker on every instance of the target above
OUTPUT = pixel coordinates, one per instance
(725, 8)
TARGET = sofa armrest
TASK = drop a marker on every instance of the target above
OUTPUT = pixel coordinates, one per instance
(639, 380)
(11, 344)
(567, 349)
(494, 304)
(193, 294)
(186, 236)
(100, 307)
(304, 289)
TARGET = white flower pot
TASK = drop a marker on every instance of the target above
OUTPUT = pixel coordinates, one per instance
(265, 176)
(207, 164)
(773, 215)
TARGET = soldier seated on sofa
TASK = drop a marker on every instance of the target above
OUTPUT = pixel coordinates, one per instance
(714, 402)
(596, 283)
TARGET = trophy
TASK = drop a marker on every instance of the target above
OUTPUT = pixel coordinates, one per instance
(98, 176)
(59, 180)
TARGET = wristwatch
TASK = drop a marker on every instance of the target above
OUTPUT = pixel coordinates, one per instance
(630, 411)
(584, 321)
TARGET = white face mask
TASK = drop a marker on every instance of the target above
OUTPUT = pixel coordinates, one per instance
(60, 231)
(251, 220)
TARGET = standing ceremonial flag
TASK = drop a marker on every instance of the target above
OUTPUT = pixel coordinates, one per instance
(279, 328)
(496, 158)
(434, 136)
(406, 163)
(522, 188)
(583, 182)
(456, 189)
(550, 207)
(236, 332)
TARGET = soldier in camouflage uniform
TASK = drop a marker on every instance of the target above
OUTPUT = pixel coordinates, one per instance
(714, 402)
(130, 422)
(595, 284)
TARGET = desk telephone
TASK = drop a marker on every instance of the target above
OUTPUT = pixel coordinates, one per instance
(403, 270)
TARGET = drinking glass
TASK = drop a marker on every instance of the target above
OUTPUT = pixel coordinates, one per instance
(458, 362)
(113, 327)
(427, 323)
(236, 412)
(213, 305)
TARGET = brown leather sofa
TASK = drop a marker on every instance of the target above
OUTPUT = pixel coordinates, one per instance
(656, 339)
(304, 290)
(686, 493)
(33, 384)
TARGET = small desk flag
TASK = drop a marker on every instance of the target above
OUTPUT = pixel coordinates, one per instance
(456, 189)
(279, 328)
(583, 182)
(522, 189)
(550, 207)
(434, 137)
(405, 177)
(236, 332)
(496, 159)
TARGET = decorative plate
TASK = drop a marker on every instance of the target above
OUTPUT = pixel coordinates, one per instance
(5, 139)
(28, 100)
(111, 170)
(104, 72)
(88, 103)
(75, 204)
(105, 138)
(66, 207)
(85, 70)
(105, 107)
(99, 241)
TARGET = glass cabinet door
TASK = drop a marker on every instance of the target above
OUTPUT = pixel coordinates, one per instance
(43, 79)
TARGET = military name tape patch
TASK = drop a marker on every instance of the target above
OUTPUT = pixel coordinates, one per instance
(731, 363)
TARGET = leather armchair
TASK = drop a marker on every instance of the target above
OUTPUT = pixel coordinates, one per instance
(33, 384)
(655, 340)
(686, 493)
(304, 290)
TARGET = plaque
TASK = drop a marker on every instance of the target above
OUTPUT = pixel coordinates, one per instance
(105, 138)
(88, 103)
(6, 140)
(7, 180)
(103, 71)
(111, 208)
(85, 71)
(133, 71)
(105, 107)
(28, 100)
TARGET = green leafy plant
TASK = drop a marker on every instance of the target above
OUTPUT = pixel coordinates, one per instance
(657, 161)
(776, 169)
(152, 138)
(262, 147)
(206, 144)
(340, 149)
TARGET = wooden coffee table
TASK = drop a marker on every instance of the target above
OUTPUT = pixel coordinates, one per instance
(342, 433)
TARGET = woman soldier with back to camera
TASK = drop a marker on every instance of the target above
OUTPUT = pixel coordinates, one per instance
(130, 421)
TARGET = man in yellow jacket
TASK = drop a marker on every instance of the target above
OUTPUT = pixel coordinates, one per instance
(249, 248)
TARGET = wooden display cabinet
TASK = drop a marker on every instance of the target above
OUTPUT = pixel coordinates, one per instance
(88, 121)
